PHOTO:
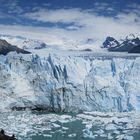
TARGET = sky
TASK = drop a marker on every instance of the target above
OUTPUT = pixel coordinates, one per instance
(73, 21)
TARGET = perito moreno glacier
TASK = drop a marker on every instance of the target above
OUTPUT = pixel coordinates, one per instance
(67, 81)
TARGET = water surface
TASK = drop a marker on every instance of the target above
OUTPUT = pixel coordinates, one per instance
(85, 126)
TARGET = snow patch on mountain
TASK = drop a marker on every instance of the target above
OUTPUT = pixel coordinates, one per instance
(24, 43)
(66, 44)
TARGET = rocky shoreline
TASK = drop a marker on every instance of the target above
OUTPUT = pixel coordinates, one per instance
(3, 136)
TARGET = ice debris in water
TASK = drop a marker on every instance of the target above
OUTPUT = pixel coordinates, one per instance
(103, 125)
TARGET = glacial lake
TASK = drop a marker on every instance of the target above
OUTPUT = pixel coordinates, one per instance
(28, 125)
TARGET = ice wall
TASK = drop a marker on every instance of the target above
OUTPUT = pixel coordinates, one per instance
(69, 83)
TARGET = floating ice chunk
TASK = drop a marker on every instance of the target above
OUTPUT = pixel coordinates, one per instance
(72, 135)
(129, 126)
(128, 137)
(64, 121)
(116, 132)
(65, 116)
(65, 128)
(103, 135)
(120, 137)
(47, 135)
(109, 136)
(110, 127)
(88, 134)
(87, 117)
(56, 125)
(99, 132)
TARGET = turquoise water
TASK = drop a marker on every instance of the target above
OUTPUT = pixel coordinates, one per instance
(86, 126)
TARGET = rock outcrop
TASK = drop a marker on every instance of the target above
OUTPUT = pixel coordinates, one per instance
(125, 45)
(3, 136)
(5, 48)
(135, 50)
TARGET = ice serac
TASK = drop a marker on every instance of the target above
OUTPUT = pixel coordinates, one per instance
(60, 82)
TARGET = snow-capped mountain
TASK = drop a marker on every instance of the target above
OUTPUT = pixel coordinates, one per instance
(110, 42)
(24, 43)
(5, 48)
(123, 45)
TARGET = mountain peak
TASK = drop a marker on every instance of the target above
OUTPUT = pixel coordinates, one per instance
(4, 43)
(125, 45)
(110, 42)
(6, 47)
(130, 37)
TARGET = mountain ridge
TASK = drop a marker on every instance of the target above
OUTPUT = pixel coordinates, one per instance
(6, 47)
(125, 45)
(110, 44)
(135, 49)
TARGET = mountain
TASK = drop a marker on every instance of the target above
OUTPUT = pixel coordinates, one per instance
(33, 44)
(110, 42)
(135, 49)
(24, 43)
(5, 48)
(64, 44)
(121, 46)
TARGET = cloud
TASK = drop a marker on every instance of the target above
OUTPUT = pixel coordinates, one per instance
(93, 26)
(59, 15)
(12, 6)
(90, 22)
(39, 33)
(78, 16)
(129, 18)
(80, 25)
(101, 6)
(134, 6)
(73, 27)
(132, 9)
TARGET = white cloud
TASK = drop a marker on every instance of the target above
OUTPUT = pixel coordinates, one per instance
(86, 24)
(31, 32)
(99, 4)
(59, 15)
(73, 27)
(11, 6)
(130, 18)
(134, 6)
(77, 16)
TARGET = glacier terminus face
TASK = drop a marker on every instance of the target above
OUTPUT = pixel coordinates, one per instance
(70, 81)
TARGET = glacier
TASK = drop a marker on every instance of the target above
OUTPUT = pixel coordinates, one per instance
(70, 81)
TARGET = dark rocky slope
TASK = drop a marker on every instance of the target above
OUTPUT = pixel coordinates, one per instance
(135, 50)
(5, 48)
(125, 45)
(3, 136)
